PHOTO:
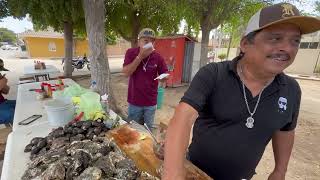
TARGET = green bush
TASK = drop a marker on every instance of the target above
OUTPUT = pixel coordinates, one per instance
(222, 56)
(317, 70)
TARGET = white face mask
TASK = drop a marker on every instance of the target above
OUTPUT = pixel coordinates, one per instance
(148, 45)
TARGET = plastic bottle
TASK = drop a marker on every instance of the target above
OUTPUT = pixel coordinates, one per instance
(49, 91)
(104, 103)
(60, 84)
(94, 87)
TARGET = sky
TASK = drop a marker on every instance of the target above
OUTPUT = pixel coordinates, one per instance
(16, 25)
(19, 26)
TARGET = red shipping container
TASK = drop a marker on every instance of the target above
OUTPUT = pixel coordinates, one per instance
(172, 49)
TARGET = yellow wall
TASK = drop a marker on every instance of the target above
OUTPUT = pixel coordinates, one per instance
(38, 47)
(81, 48)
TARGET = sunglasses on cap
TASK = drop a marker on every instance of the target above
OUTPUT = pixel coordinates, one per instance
(148, 33)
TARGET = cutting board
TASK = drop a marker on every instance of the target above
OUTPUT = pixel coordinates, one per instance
(138, 146)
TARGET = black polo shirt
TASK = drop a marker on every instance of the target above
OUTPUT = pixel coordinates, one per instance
(222, 145)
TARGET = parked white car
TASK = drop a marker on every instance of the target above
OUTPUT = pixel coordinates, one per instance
(9, 47)
(14, 48)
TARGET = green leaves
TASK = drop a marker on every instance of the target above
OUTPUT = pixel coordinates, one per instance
(50, 13)
(4, 12)
(7, 36)
(236, 23)
(127, 17)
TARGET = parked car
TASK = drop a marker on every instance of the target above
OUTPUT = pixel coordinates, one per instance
(13, 48)
(9, 47)
(5, 47)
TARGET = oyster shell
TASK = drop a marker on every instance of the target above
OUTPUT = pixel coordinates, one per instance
(78, 151)
(87, 145)
(80, 161)
(127, 174)
(32, 173)
(116, 157)
(147, 176)
(91, 173)
(104, 163)
(126, 164)
(55, 171)
(59, 142)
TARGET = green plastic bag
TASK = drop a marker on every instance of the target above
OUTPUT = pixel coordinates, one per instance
(85, 100)
(90, 105)
(74, 90)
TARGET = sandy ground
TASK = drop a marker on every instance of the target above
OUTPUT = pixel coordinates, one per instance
(305, 160)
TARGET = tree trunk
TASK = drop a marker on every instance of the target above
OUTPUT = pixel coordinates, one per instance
(135, 29)
(134, 42)
(205, 30)
(94, 11)
(94, 18)
(68, 43)
(229, 44)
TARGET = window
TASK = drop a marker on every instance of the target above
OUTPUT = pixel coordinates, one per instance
(304, 45)
(313, 45)
(52, 47)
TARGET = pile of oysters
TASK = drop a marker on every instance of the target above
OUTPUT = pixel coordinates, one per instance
(80, 151)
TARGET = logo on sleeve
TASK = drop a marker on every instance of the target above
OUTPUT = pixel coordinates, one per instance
(282, 102)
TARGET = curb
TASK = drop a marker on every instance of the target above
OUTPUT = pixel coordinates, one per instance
(312, 78)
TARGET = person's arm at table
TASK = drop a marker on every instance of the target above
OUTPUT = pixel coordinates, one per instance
(4, 88)
(177, 141)
(186, 113)
(282, 143)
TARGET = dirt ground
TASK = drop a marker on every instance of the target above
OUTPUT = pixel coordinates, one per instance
(305, 160)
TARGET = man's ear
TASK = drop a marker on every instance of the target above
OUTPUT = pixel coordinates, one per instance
(244, 44)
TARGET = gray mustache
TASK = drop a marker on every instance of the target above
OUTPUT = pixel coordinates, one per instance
(279, 55)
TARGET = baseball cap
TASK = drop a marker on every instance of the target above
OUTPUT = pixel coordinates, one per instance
(147, 32)
(282, 13)
(2, 66)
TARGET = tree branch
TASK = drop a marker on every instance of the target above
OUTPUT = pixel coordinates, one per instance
(122, 34)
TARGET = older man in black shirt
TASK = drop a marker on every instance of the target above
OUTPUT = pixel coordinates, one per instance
(238, 106)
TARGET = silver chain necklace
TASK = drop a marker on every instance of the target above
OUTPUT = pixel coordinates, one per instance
(250, 120)
(145, 64)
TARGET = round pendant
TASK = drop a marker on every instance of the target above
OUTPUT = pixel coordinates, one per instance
(250, 122)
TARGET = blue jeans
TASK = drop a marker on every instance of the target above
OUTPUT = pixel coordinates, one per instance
(142, 114)
(7, 111)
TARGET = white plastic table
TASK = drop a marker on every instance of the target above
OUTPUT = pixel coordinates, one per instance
(36, 73)
(28, 105)
(15, 160)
